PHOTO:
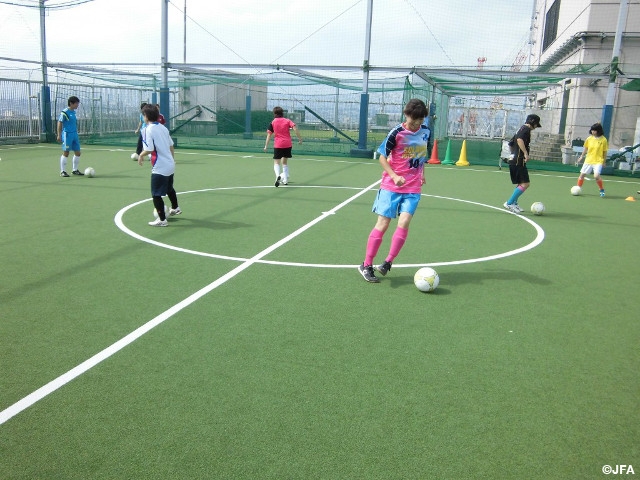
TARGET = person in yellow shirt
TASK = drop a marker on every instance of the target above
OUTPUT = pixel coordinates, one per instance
(595, 155)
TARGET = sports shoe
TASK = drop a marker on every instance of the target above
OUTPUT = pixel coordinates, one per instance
(602, 193)
(284, 181)
(159, 223)
(383, 268)
(77, 172)
(517, 208)
(64, 174)
(367, 273)
(511, 208)
(175, 211)
(277, 184)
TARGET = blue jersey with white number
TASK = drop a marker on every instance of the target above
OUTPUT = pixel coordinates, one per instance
(406, 152)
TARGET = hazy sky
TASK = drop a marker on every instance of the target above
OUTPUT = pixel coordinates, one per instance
(319, 32)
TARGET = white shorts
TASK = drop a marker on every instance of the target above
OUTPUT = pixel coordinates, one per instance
(588, 168)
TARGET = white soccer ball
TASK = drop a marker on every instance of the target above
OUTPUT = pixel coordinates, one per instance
(537, 208)
(576, 190)
(166, 212)
(90, 172)
(134, 156)
(426, 279)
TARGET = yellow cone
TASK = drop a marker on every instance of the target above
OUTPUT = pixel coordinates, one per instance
(462, 162)
(630, 199)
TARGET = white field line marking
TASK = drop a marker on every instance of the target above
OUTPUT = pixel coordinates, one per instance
(311, 159)
(75, 372)
(539, 235)
(120, 223)
(572, 176)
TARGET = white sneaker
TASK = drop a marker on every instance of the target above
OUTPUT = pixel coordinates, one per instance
(284, 180)
(159, 223)
(511, 208)
(516, 208)
(175, 211)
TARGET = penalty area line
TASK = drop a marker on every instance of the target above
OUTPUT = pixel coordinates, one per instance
(99, 357)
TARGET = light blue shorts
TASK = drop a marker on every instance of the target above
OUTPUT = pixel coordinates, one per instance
(391, 204)
(70, 141)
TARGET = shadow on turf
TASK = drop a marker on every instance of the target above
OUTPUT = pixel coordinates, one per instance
(455, 279)
(589, 219)
(206, 224)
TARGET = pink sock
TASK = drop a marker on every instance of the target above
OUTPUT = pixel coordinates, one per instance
(373, 244)
(397, 241)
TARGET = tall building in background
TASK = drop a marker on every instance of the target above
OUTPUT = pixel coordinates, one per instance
(578, 36)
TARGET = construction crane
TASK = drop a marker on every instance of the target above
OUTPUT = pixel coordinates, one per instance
(516, 66)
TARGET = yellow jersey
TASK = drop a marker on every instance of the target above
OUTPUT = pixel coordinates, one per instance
(596, 150)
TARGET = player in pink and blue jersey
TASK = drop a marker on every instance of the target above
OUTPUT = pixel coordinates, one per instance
(402, 157)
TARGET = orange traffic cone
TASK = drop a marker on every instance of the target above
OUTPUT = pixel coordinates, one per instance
(434, 154)
(462, 162)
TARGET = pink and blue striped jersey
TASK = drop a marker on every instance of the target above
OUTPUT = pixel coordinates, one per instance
(406, 152)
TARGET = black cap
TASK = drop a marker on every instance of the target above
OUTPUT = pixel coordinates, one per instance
(533, 120)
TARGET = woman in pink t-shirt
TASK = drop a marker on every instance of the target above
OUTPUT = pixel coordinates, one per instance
(282, 143)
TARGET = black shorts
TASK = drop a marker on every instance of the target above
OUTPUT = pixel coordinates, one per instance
(161, 185)
(519, 174)
(279, 153)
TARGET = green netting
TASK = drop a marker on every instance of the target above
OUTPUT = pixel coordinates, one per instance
(208, 105)
(209, 109)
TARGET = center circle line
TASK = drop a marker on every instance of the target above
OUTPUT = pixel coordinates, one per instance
(536, 241)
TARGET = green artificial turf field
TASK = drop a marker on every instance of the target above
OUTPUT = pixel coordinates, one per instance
(241, 342)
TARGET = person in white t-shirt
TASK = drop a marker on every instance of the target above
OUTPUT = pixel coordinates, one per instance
(157, 142)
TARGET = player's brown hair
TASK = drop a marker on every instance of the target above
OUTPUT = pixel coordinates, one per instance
(416, 108)
(151, 112)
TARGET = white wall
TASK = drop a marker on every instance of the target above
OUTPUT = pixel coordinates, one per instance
(598, 19)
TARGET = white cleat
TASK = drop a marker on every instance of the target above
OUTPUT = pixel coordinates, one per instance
(159, 223)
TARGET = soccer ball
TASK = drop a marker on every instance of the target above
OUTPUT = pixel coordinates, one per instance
(90, 172)
(426, 279)
(134, 156)
(166, 212)
(576, 190)
(537, 208)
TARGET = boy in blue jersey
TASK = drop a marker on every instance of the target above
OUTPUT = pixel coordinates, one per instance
(68, 135)
(157, 142)
(141, 126)
(402, 157)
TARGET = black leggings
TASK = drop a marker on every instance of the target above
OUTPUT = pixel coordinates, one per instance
(139, 147)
